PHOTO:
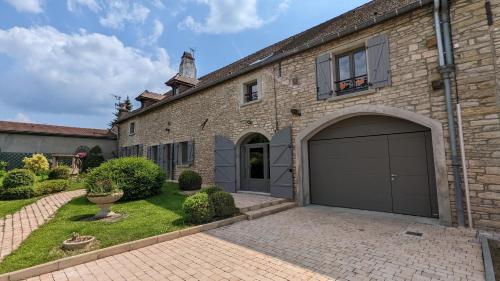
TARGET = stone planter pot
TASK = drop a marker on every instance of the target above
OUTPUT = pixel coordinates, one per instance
(105, 202)
(80, 243)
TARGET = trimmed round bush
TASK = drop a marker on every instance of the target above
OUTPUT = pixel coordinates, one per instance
(211, 189)
(223, 204)
(189, 180)
(60, 173)
(93, 159)
(52, 186)
(136, 176)
(18, 192)
(19, 177)
(198, 208)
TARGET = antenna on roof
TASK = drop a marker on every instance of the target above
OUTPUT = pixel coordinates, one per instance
(192, 51)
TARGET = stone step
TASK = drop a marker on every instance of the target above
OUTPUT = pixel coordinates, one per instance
(270, 210)
(263, 205)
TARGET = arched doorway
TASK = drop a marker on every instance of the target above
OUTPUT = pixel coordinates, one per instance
(432, 128)
(254, 163)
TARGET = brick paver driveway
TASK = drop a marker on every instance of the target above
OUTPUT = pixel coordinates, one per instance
(318, 243)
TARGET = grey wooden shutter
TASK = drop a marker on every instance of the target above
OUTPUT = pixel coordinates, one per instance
(149, 152)
(324, 86)
(190, 152)
(280, 158)
(159, 159)
(171, 161)
(225, 164)
(379, 68)
(176, 153)
(141, 150)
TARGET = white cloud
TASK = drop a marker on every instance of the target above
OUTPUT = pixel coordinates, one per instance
(230, 16)
(120, 12)
(55, 72)
(156, 34)
(21, 117)
(28, 6)
(90, 4)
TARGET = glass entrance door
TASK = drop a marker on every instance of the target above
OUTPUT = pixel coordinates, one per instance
(255, 167)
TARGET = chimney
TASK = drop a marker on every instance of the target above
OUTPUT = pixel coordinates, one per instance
(187, 68)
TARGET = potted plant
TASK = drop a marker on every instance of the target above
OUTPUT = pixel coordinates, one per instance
(104, 193)
(77, 242)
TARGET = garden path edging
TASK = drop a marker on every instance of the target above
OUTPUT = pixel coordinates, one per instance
(29, 218)
(113, 250)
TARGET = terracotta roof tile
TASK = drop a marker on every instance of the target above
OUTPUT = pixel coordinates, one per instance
(42, 129)
(149, 95)
(182, 79)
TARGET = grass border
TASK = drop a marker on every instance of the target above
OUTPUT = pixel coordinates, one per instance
(114, 250)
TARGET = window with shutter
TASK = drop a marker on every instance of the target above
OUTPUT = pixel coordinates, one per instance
(378, 61)
(324, 77)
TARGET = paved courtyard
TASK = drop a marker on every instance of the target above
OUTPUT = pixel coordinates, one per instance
(15, 228)
(311, 243)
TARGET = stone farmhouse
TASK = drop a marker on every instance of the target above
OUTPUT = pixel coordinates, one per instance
(357, 112)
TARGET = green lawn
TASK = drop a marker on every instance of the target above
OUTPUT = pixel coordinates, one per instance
(145, 218)
(12, 206)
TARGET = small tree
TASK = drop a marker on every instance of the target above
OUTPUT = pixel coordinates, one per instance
(37, 163)
(127, 104)
(93, 159)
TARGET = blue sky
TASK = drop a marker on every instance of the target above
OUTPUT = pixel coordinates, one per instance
(62, 60)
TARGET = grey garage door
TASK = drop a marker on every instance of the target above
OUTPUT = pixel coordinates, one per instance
(374, 163)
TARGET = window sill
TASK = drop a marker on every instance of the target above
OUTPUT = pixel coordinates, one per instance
(131, 134)
(183, 166)
(355, 94)
(250, 103)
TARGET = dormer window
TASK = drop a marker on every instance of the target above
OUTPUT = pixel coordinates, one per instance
(251, 92)
(174, 91)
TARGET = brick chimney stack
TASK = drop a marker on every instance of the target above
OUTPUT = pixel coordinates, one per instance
(187, 68)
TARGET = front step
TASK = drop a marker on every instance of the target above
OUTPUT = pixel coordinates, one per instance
(262, 205)
(270, 210)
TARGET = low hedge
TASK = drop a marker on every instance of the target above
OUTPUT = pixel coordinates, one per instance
(19, 177)
(198, 208)
(223, 204)
(136, 176)
(52, 186)
(60, 173)
(18, 192)
(211, 189)
(189, 180)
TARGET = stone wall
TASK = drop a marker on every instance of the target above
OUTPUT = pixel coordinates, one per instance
(413, 65)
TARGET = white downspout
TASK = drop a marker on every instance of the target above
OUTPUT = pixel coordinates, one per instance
(464, 165)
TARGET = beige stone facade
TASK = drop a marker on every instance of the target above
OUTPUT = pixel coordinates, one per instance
(413, 62)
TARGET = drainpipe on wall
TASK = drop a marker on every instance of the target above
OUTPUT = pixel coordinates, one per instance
(445, 50)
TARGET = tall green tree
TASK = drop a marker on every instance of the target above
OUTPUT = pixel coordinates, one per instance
(127, 104)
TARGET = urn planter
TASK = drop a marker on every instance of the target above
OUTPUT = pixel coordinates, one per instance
(77, 242)
(104, 202)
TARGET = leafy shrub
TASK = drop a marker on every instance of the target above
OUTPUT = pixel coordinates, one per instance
(60, 172)
(93, 159)
(3, 167)
(198, 208)
(19, 177)
(211, 189)
(37, 163)
(223, 204)
(189, 180)
(136, 176)
(52, 186)
(18, 192)
(102, 187)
